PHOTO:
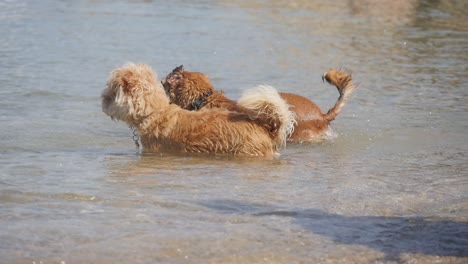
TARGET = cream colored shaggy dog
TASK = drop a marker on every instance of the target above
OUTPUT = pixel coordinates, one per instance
(135, 96)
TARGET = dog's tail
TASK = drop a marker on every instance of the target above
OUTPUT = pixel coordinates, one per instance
(264, 101)
(345, 86)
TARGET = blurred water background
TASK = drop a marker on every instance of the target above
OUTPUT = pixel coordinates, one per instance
(391, 188)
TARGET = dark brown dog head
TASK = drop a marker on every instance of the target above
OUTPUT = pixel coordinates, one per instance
(186, 88)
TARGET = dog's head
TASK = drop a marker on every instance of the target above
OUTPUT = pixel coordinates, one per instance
(132, 93)
(184, 88)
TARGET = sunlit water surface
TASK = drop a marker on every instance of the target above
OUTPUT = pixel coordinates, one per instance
(391, 188)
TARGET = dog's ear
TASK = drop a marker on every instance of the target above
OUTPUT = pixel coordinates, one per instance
(179, 69)
(123, 81)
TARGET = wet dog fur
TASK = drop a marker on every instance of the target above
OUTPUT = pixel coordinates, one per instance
(193, 91)
(134, 95)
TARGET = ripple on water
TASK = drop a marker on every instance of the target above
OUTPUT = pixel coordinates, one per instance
(389, 187)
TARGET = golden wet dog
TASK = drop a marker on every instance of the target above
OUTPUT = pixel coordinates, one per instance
(134, 95)
(194, 91)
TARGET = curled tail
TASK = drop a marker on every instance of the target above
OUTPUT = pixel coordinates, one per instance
(345, 86)
(265, 101)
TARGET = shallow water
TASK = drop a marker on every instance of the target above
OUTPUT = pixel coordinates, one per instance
(391, 188)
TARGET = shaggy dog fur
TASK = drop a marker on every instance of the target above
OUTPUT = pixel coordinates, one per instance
(193, 90)
(134, 95)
